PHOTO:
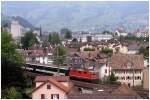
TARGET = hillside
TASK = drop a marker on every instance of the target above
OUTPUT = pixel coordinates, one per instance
(92, 16)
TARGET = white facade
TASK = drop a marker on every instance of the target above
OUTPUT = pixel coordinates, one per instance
(48, 93)
(16, 29)
(95, 37)
(126, 76)
(121, 34)
(99, 37)
(142, 34)
(132, 52)
(105, 71)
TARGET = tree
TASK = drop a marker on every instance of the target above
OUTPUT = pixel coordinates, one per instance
(11, 62)
(68, 35)
(11, 93)
(50, 38)
(54, 38)
(112, 79)
(107, 51)
(28, 39)
(144, 51)
(60, 55)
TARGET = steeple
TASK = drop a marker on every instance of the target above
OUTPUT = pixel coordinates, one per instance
(40, 31)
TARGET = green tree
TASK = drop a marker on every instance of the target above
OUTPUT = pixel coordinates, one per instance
(60, 55)
(28, 39)
(144, 51)
(68, 35)
(11, 93)
(107, 51)
(50, 38)
(54, 39)
(112, 79)
(11, 61)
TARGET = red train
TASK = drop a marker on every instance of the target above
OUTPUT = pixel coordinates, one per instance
(83, 74)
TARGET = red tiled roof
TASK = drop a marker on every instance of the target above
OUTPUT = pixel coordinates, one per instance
(58, 78)
(53, 80)
(120, 61)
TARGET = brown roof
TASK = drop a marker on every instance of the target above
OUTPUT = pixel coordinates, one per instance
(54, 82)
(110, 92)
(125, 90)
(88, 54)
(120, 61)
(57, 78)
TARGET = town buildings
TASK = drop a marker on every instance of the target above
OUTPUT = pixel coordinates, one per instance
(94, 37)
(142, 33)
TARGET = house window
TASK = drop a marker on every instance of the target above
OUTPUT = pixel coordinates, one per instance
(117, 78)
(127, 77)
(42, 96)
(139, 78)
(48, 86)
(54, 96)
(105, 70)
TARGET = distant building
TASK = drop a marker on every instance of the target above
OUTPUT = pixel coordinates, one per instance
(51, 87)
(17, 30)
(142, 33)
(120, 32)
(94, 37)
(128, 68)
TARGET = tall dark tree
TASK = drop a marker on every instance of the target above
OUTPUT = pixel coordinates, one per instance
(11, 62)
(112, 79)
(28, 39)
(50, 38)
(68, 35)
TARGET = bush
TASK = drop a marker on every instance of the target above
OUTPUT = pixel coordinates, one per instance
(11, 93)
(89, 49)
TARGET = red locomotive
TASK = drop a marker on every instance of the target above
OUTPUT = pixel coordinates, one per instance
(83, 74)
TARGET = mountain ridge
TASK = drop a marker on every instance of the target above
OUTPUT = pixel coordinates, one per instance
(88, 16)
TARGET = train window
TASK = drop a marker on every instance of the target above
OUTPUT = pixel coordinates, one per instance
(85, 72)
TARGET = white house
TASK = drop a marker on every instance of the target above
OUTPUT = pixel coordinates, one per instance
(104, 71)
(121, 32)
(128, 68)
(51, 87)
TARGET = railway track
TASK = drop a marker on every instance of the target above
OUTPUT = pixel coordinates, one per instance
(143, 93)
